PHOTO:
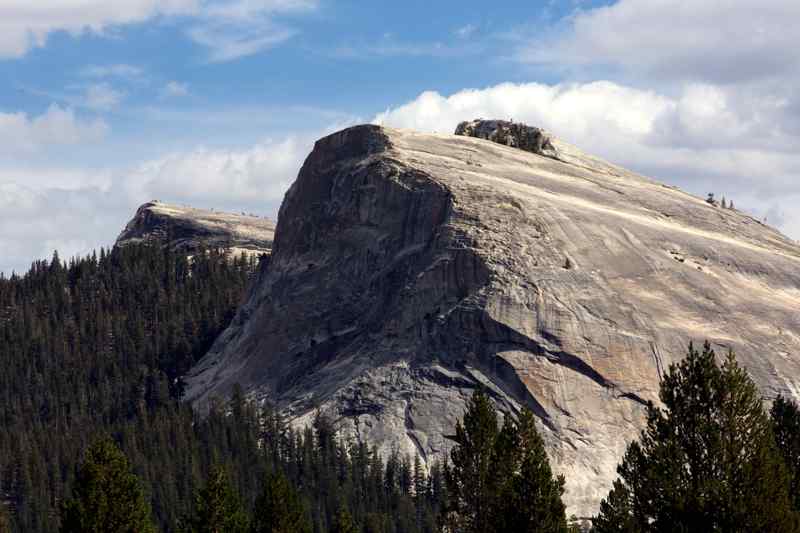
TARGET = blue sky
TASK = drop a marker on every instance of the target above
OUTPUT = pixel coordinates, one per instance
(215, 103)
(349, 59)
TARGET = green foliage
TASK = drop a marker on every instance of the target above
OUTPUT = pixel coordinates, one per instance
(706, 460)
(343, 522)
(107, 495)
(280, 509)
(470, 478)
(616, 512)
(502, 481)
(534, 495)
(217, 508)
(96, 346)
(785, 418)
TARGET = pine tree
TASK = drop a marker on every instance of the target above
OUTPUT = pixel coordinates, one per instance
(343, 522)
(217, 507)
(470, 477)
(706, 460)
(107, 495)
(535, 498)
(785, 417)
(616, 513)
(279, 509)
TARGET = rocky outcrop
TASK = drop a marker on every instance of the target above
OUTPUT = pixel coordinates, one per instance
(408, 268)
(188, 229)
(516, 135)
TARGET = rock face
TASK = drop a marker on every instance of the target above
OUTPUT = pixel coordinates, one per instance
(187, 229)
(527, 138)
(408, 268)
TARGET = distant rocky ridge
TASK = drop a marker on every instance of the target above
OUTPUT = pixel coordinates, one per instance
(189, 229)
(409, 268)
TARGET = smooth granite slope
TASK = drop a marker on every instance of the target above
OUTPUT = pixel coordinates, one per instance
(409, 267)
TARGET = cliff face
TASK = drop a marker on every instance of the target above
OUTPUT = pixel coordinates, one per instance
(408, 268)
(188, 229)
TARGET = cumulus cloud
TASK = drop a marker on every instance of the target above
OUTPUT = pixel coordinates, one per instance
(697, 139)
(256, 175)
(578, 110)
(20, 133)
(76, 211)
(36, 222)
(720, 41)
(730, 79)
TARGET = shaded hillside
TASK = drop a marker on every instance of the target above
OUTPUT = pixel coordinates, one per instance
(96, 345)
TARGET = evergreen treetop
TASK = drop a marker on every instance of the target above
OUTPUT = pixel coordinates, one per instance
(706, 460)
(471, 473)
(280, 509)
(785, 417)
(217, 508)
(107, 496)
(501, 480)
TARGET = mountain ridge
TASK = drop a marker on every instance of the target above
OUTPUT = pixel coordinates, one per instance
(189, 229)
(409, 268)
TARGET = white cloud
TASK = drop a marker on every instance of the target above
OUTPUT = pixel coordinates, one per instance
(102, 97)
(75, 211)
(389, 47)
(229, 28)
(37, 221)
(240, 28)
(232, 41)
(245, 10)
(25, 24)
(37, 177)
(578, 110)
(730, 76)
(257, 175)
(720, 41)
(174, 88)
(20, 133)
(698, 139)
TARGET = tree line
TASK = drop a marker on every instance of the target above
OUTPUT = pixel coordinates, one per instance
(709, 459)
(97, 345)
(94, 437)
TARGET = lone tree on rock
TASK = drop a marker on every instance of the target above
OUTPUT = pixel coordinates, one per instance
(107, 495)
(706, 460)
